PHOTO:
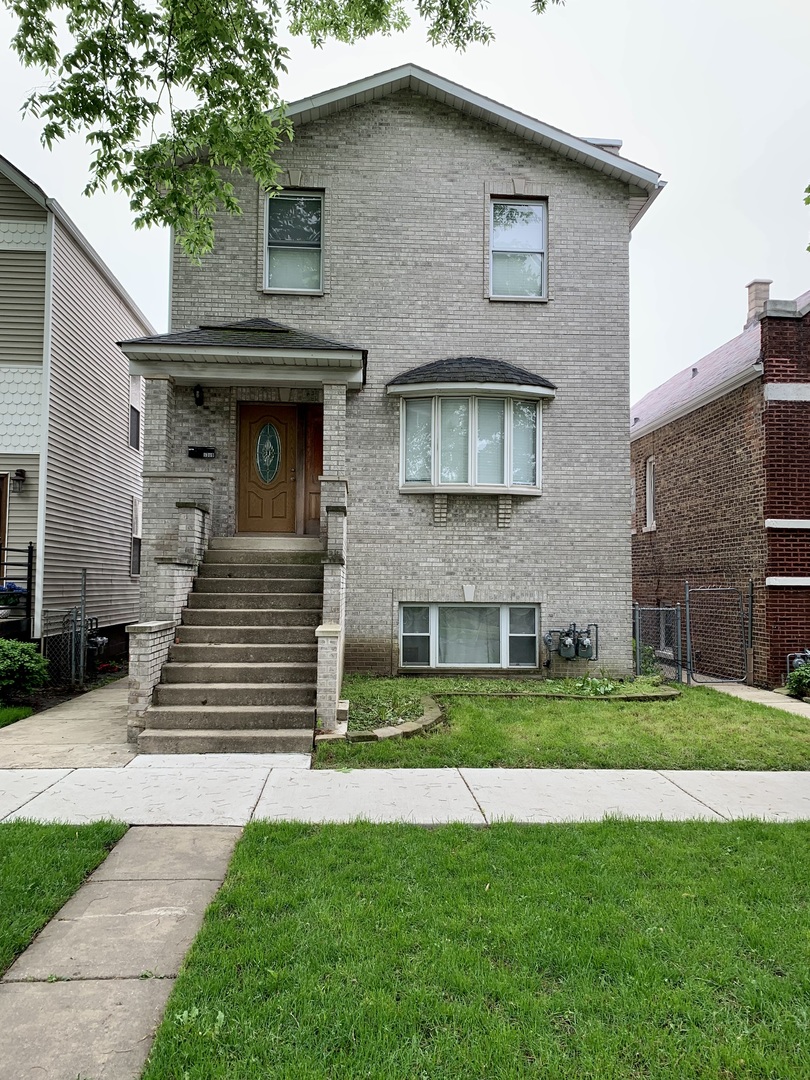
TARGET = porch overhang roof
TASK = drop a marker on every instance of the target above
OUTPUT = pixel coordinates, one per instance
(252, 352)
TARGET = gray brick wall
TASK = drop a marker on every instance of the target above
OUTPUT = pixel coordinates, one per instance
(407, 184)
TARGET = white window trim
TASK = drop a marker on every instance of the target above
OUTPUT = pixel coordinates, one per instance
(504, 609)
(514, 201)
(649, 495)
(291, 292)
(435, 485)
(137, 533)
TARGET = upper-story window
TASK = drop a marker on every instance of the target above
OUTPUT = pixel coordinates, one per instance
(295, 242)
(135, 396)
(471, 442)
(517, 267)
(649, 477)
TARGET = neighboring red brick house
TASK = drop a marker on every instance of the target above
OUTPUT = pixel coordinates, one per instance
(721, 484)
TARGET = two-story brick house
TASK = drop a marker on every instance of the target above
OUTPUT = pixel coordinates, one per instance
(719, 471)
(410, 367)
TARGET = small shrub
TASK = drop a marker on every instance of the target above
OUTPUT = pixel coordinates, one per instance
(649, 661)
(798, 682)
(22, 669)
(595, 687)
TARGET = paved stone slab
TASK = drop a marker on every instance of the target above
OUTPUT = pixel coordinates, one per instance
(772, 796)
(221, 761)
(764, 697)
(18, 786)
(118, 929)
(36, 756)
(93, 1030)
(152, 797)
(418, 796)
(190, 852)
(541, 795)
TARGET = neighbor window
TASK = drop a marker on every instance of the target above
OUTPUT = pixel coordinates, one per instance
(517, 249)
(294, 242)
(466, 635)
(470, 442)
(137, 528)
(135, 391)
(650, 493)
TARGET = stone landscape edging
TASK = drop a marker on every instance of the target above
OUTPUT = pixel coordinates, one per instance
(432, 712)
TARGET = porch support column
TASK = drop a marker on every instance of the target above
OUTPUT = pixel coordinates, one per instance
(331, 633)
(157, 424)
(334, 429)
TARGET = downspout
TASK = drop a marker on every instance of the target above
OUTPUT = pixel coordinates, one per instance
(42, 495)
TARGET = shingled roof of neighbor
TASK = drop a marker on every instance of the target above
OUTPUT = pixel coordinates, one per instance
(244, 334)
(470, 369)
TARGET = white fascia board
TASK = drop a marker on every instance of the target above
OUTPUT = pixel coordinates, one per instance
(787, 523)
(800, 581)
(186, 374)
(787, 391)
(723, 388)
(44, 442)
(32, 190)
(527, 126)
(275, 358)
(453, 389)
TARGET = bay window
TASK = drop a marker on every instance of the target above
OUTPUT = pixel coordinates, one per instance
(467, 635)
(471, 442)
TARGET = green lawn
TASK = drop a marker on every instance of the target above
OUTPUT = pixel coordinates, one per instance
(703, 729)
(564, 952)
(12, 713)
(41, 867)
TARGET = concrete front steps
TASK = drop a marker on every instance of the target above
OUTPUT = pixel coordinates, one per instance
(241, 677)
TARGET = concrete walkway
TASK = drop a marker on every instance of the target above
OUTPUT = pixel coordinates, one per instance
(72, 764)
(85, 998)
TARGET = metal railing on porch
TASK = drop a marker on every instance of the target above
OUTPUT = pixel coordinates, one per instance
(17, 571)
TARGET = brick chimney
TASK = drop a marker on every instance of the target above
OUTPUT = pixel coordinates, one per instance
(758, 292)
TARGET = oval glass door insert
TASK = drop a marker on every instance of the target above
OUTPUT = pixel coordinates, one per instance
(268, 453)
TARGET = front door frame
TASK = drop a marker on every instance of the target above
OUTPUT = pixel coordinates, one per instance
(309, 419)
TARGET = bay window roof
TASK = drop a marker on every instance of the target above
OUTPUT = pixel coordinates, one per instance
(474, 374)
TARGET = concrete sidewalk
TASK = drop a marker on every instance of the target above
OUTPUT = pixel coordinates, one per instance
(72, 764)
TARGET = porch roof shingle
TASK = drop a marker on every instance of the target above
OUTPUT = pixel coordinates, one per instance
(244, 334)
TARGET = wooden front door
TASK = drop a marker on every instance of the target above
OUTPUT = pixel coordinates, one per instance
(268, 460)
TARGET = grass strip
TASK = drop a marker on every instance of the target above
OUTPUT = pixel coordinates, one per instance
(702, 729)
(609, 951)
(12, 713)
(41, 867)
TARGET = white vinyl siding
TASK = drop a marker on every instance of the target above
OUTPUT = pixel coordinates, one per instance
(15, 205)
(22, 306)
(471, 443)
(468, 635)
(21, 520)
(93, 474)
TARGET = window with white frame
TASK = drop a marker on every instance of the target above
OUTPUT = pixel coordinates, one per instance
(135, 397)
(517, 257)
(137, 529)
(294, 242)
(467, 635)
(471, 442)
(650, 493)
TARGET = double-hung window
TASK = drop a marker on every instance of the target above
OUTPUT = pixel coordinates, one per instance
(471, 442)
(135, 396)
(467, 635)
(649, 476)
(517, 267)
(295, 242)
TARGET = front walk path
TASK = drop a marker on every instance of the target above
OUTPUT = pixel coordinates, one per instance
(85, 998)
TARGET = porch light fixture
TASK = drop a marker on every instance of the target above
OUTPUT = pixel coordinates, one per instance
(199, 396)
(17, 480)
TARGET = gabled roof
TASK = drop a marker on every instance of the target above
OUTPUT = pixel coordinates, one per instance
(35, 192)
(244, 334)
(470, 369)
(593, 153)
(714, 375)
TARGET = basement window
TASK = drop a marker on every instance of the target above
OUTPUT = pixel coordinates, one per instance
(466, 635)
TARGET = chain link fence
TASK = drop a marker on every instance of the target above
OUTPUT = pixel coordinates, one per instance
(64, 645)
(658, 641)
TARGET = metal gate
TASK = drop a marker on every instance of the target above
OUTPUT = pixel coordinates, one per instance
(705, 640)
(64, 646)
(716, 639)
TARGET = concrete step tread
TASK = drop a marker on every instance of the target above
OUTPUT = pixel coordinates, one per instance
(236, 740)
(205, 687)
(255, 710)
(270, 665)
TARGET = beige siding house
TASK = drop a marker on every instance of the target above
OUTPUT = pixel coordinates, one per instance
(70, 440)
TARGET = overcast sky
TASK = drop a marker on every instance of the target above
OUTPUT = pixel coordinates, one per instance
(713, 94)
